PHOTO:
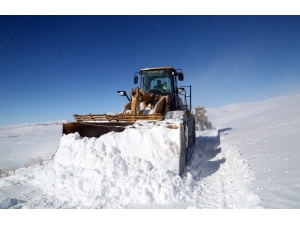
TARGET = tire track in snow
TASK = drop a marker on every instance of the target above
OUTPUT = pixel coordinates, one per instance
(237, 178)
(224, 179)
(209, 187)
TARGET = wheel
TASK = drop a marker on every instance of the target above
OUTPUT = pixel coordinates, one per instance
(191, 131)
(194, 132)
(186, 136)
(177, 115)
(200, 126)
(209, 126)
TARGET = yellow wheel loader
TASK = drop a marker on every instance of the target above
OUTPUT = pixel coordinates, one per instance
(201, 119)
(157, 99)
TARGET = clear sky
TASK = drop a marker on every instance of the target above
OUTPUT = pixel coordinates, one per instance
(52, 67)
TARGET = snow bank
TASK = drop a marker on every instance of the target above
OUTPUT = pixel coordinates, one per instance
(117, 168)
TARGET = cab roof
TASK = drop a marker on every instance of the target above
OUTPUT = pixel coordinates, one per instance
(157, 68)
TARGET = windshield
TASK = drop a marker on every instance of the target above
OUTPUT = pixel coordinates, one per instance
(157, 81)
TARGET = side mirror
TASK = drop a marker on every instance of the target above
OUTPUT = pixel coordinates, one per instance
(136, 77)
(180, 90)
(180, 76)
(123, 93)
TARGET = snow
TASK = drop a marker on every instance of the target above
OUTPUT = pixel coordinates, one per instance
(21, 142)
(250, 160)
(266, 134)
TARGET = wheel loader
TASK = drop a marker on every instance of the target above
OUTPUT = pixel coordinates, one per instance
(157, 99)
(201, 119)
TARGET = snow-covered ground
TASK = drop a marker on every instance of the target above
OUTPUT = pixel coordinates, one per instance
(267, 136)
(250, 160)
(22, 142)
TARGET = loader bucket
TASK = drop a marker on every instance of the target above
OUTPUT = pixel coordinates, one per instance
(94, 129)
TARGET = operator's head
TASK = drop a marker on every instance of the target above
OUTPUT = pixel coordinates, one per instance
(158, 81)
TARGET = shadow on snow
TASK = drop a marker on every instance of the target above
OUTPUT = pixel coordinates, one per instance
(202, 162)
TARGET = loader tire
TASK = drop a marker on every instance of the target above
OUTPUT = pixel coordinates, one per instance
(191, 131)
(176, 115)
(200, 126)
(209, 126)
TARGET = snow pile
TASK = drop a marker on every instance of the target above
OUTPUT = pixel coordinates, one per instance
(117, 168)
(154, 142)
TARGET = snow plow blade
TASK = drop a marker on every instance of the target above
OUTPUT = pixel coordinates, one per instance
(95, 125)
(94, 129)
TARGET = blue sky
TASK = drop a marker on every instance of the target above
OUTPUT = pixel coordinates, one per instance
(52, 67)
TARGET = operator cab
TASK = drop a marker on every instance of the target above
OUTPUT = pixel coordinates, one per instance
(159, 80)
(200, 112)
(162, 81)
